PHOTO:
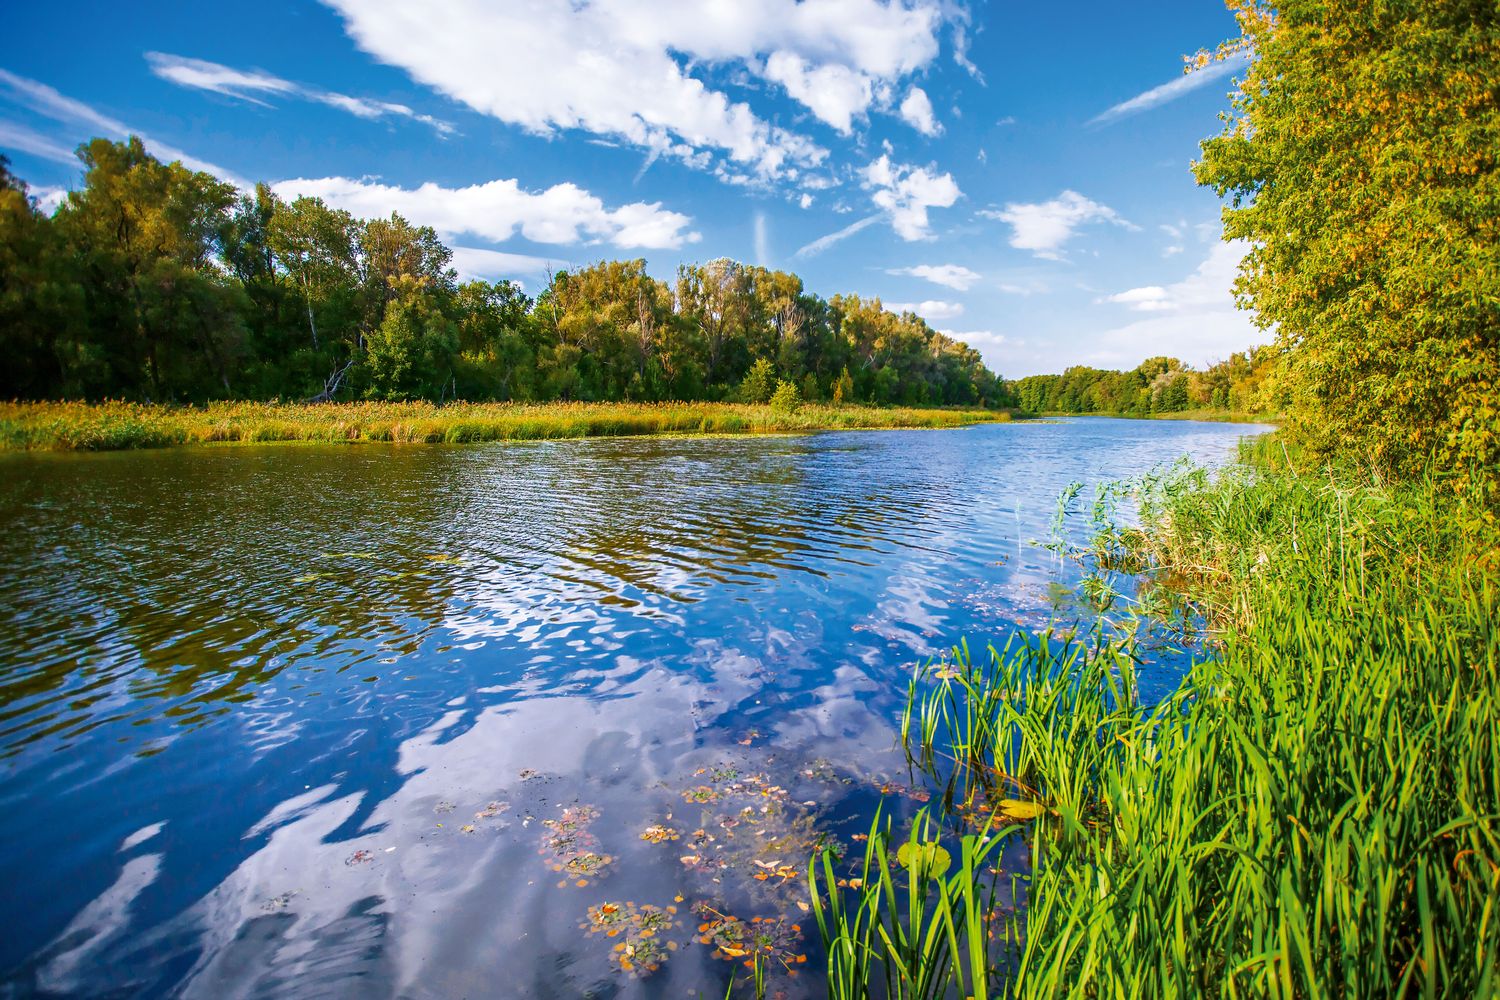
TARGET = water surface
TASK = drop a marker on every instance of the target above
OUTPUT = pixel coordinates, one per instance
(327, 721)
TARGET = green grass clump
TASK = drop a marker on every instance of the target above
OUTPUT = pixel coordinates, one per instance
(118, 425)
(1314, 812)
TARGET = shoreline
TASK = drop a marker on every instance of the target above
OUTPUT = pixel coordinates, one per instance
(1206, 416)
(119, 426)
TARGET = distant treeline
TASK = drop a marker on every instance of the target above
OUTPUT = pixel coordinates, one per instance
(1243, 384)
(155, 282)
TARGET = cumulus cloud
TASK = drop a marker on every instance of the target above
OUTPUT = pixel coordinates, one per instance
(917, 111)
(835, 94)
(949, 275)
(1148, 298)
(251, 85)
(1044, 227)
(1172, 90)
(624, 69)
(906, 193)
(563, 214)
(932, 310)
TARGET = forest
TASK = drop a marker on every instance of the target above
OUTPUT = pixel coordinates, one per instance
(1243, 384)
(153, 282)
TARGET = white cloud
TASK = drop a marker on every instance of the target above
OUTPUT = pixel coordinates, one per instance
(1044, 227)
(762, 241)
(805, 201)
(1157, 96)
(1194, 319)
(563, 214)
(24, 140)
(980, 340)
(932, 310)
(906, 193)
(492, 265)
(244, 85)
(949, 275)
(836, 94)
(917, 111)
(47, 102)
(822, 243)
(623, 69)
(200, 74)
(1149, 298)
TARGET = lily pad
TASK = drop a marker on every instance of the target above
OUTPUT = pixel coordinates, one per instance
(1019, 809)
(929, 858)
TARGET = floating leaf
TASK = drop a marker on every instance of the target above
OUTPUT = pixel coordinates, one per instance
(930, 858)
(1019, 809)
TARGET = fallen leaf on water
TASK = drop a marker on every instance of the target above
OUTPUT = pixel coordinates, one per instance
(1019, 809)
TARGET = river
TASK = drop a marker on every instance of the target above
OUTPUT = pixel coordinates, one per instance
(433, 721)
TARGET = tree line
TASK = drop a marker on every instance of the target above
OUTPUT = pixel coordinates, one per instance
(153, 281)
(1244, 383)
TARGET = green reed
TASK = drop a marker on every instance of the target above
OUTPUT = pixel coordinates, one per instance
(1315, 811)
(120, 425)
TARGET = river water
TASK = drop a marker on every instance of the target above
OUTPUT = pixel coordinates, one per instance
(435, 721)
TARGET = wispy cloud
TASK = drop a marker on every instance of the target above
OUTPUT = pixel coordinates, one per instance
(47, 102)
(19, 137)
(1167, 92)
(822, 243)
(252, 85)
(762, 241)
(479, 262)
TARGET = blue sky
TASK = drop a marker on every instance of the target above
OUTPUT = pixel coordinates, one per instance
(1016, 173)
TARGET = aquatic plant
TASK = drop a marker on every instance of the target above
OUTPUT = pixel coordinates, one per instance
(1312, 812)
(119, 425)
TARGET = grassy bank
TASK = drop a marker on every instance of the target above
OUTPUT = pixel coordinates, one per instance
(1314, 812)
(111, 426)
(1212, 416)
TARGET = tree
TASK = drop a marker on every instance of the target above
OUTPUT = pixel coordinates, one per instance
(759, 383)
(1359, 161)
(315, 246)
(411, 351)
(145, 236)
(786, 398)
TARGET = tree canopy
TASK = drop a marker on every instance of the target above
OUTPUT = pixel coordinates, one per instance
(152, 281)
(1359, 161)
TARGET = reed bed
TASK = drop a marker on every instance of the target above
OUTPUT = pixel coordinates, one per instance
(1313, 812)
(120, 425)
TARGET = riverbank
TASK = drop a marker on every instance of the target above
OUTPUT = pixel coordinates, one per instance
(1313, 809)
(117, 425)
(1210, 416)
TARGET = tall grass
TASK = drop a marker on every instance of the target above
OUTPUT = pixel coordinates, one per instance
(1313, 812)
(119, 425)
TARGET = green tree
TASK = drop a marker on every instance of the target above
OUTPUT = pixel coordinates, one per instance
(145, 238)
(786, 398)
(411, 351)
(759, 382)
(1359, 161)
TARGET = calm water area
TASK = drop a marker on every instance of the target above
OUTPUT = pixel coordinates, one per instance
(432, 721)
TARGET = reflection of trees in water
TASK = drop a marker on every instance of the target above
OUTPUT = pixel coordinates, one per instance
(197, 577)
(669, 519)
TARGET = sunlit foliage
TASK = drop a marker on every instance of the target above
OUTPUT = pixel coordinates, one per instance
(1359, 161)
